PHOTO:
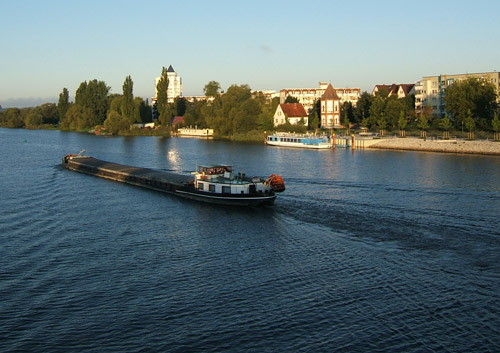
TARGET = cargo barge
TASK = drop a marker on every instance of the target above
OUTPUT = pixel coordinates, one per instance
(213, 184)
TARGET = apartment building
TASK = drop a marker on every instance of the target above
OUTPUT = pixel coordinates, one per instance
(308, 96)
(429, 92)
(174, 85)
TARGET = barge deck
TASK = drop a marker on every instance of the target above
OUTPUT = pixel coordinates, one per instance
(213, 184)
(143, 177)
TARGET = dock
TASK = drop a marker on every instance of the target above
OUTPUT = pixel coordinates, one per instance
(143, 177)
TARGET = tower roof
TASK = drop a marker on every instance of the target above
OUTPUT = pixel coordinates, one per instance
(170, 69)
(330, 93)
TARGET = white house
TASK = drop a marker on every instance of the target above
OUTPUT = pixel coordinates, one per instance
(294, 112)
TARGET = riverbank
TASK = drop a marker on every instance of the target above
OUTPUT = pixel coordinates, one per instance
(485, 147)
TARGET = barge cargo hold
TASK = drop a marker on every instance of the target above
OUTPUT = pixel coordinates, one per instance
(212, 184)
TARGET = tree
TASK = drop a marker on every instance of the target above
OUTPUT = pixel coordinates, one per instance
(402, 123)
(470, 124)
(495, 124)
(63, 104)
(314, 115)
(180, 106)
(127, 103)
(12, 118)
(162, 98)
(142, 110)
(291, 99)
(362, 109)
(347, 112)
(34, 117)
(115, 123)
(382, 124)
(376, 110)
(92, 97)
(423, 124)
(447, 124)
(212, 89)
(474, 94)
(393, 110)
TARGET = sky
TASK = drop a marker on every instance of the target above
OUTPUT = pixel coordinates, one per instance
(270, 45)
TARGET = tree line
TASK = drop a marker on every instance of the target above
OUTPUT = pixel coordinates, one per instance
(242, 114)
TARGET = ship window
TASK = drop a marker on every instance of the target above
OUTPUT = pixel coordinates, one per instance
(226, 189)
(211, 187)
(200, 186)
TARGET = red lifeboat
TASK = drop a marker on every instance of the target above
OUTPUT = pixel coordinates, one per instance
(276, 182)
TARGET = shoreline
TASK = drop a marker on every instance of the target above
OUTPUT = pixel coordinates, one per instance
(460, 146)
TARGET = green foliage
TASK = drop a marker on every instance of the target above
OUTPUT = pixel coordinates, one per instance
(446, 123)
(76, 118)
(423, 123)
(313, 120)
(376, 111)
(477, 95)
(495, 123)
(63, 104)
(212, 89)
(393, 110)
(314, 115)
(11, 117)
(115, 104)
(362, 109)
(382, 122)
(287, 127)
(402, 121)
(116, 123)
(142, 110)
(92, 98)
(180, 106)
(127, 103)
(470, 124)
(291, 99)
(347, 112)
(34, 117)
(162, 98)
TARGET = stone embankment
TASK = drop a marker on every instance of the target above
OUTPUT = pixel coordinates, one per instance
(486, 147)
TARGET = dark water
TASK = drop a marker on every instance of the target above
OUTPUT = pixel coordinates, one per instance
(369, 251)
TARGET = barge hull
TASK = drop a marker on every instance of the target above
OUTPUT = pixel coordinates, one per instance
(143, 177)
(171, 183)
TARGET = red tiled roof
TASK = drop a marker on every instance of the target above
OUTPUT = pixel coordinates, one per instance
(406, 87)
(330, 93)
(177, 120)
(293, 110)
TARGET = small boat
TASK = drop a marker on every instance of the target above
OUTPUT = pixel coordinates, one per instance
(195, 132)
(300, 140)
(214, 184)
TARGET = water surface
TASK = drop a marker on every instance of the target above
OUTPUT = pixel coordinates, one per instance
(365, 251)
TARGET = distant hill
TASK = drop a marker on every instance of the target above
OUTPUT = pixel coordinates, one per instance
(1, 108)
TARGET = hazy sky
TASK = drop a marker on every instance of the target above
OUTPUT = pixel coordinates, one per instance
(48, 45)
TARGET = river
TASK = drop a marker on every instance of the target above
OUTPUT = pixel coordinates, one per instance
(366, 251)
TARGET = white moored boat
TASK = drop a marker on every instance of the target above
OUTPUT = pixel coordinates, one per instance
(195, 132)
(300, 140)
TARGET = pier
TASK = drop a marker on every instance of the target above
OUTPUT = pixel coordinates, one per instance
(354, 142)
